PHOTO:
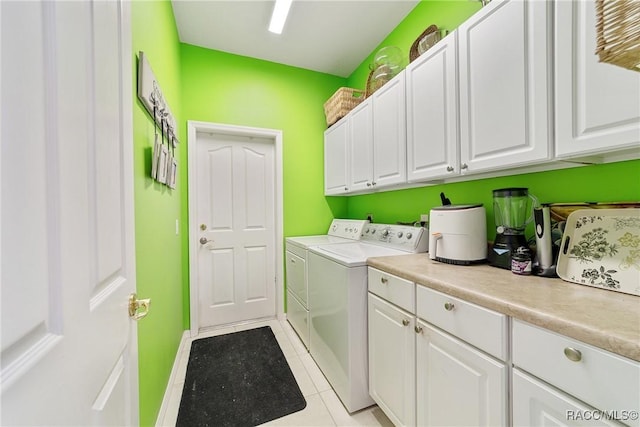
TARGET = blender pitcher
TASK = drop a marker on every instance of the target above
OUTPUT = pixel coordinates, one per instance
(513, 210)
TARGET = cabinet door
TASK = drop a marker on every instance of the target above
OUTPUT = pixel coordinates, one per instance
(336, 150)
(457, 385)
(361, 148)
(432, 113)
(389, 134)
(537, 404)
(505, 100)
(392, 360)
(597, 104)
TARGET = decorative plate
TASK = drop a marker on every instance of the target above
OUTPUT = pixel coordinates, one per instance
(601, 248)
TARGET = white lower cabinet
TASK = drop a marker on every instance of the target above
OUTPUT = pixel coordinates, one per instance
(566, 371)
(457, 385)
(538, 404)
(422, 375)
(392, 359)
(437, 360)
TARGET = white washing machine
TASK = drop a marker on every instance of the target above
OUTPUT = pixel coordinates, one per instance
(340, 231)
(337, 280)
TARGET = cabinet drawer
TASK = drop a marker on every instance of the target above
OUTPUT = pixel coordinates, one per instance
(397, 291)
(476, 325)
(599, 378)
(296, 276)
(535, 403)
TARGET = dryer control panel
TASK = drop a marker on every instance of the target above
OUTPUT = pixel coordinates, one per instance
(347, 228)
(403, 237)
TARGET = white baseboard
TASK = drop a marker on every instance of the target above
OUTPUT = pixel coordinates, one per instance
(174, 372)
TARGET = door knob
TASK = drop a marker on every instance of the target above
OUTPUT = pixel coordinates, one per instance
(138, 308)
(204, 240)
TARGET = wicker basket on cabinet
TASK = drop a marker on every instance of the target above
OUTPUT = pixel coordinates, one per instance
(344, 100)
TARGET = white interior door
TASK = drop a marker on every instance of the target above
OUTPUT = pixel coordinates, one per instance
(68, 345)
(235, 228)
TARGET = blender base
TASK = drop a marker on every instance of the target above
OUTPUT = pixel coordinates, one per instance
(500, 253)
(499, 258)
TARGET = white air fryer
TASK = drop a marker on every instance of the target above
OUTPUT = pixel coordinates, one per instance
(458, 234)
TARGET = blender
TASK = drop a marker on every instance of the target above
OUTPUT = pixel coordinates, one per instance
(513, 210)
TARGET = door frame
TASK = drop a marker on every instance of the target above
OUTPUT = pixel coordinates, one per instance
(193, 127)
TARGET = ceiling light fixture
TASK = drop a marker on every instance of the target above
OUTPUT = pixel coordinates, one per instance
(279, 16)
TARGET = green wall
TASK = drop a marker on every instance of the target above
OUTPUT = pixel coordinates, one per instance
(613, 182)
(232, 89)
(159, 252)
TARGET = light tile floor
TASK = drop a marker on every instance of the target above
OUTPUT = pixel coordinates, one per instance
(323, 405)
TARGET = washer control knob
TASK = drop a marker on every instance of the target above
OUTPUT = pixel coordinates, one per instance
(409, 235)
(399, 233)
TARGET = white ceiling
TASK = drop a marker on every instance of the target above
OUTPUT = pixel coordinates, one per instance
(321, 35)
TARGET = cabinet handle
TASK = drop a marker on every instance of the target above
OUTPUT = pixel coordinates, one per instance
(449, 168)
(449, 306)
(384, 280)
(346, 188)
(573, 354)
(368, 184)
(464, 166)
(293, 261)
(405, 322)
(418, 329)
(373, 183)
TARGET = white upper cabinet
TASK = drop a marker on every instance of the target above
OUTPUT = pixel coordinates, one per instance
(336, 158)
(505, 101)
(597, 104)
(389, 134)
(361, 148)
(432, 113)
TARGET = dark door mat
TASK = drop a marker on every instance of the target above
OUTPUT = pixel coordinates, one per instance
(238, 379)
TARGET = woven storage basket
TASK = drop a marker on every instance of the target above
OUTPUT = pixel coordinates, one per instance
(618, 32)
(429, 37)
(344, 100)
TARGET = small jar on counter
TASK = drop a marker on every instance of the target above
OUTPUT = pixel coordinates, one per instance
(521, 261)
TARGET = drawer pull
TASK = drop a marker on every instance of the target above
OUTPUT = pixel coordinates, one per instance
(418, 329)
(384, 280)
(573, 354)
(293, 261)
(449, 306)
(405, 322)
